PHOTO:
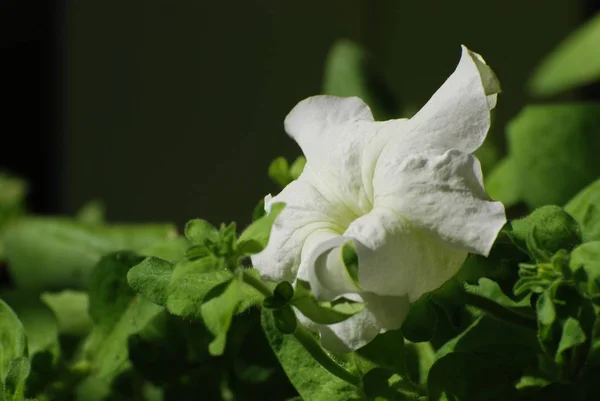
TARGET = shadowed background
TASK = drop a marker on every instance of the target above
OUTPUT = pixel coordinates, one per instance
(169, 110)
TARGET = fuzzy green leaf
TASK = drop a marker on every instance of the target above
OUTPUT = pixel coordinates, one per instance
(545, 231)
(553, 149)
(198, 231)
(151, 278)
(309, 378)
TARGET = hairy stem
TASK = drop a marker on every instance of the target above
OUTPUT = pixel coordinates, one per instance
(314, 349)
(257, 284)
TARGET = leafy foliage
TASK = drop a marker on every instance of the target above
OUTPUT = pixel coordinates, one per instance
(574, 63)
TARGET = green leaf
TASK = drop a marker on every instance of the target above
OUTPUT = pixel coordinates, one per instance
(545, 231)
(217, 309)
(462, 376)
(565, 321)
(54, 253)
(285, 320)
(168, 347)
(13, 340)
(323, 312)
(421, 322)
(585, 265)
(573, 63)
(172, 249)
(349, 71)
(109, 293)
(12, 197)
(501, 183)
(199, 231)
(297, 167)
(260, 230)
(71, 311)
(512, 348)
(383, 385)
(18, 371)
(282, 295)
(310, 379)
(40, 324)
(553, 149)
(585, 208)
(117, 313)
(386, 351)
(151, 278)
(279, 172)
(190, 282)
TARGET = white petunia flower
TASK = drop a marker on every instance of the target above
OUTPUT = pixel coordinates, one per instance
(408, 193)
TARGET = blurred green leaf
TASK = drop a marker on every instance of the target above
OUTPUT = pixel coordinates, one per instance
(585, 208)
(13, 340)
(462, 376)
(575, 62)
(71, 311)
(323, 312)
(552, 152)
(350, 71)
(40, 324)
(310, 379)
(502, 184)
(297, 167)
(279, 171)
(55, 253)
(92, 213)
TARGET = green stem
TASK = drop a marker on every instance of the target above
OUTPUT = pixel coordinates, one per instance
(314, 349)
(258, 284)
(500, 311)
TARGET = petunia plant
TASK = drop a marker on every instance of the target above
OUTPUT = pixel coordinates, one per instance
(384, 268)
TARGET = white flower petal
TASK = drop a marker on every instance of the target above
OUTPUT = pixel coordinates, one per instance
(314, 122)
(397, 259)
(443, 195)
(306, 212)
(327, 274)
(458, 114)
(338, 137)
(380, 315)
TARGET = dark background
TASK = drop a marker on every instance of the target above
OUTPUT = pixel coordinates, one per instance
(168, 110)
